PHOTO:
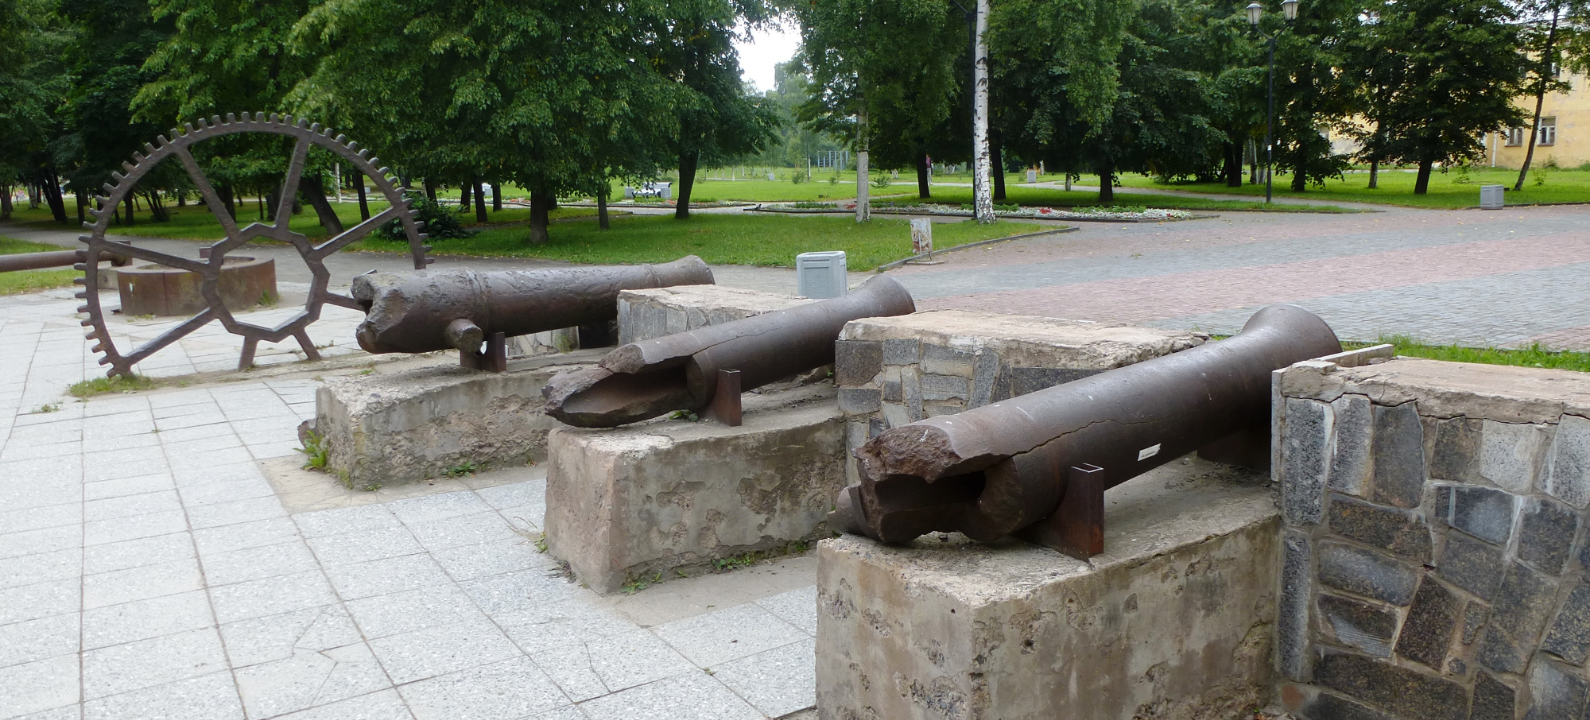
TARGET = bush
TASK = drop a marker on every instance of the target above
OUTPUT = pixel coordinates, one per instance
(438, 223)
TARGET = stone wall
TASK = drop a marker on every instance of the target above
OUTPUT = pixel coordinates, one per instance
(1433, 565)
(647, 314)
(894, 371)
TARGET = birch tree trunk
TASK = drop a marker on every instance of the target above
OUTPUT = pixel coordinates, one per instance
(863, 203)
(983, 197)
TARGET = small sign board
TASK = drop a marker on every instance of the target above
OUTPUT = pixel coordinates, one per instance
(1032, 176)
(921, 236)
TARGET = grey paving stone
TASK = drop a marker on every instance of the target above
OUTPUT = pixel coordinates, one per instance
(468, 562)
(1397, 531)
(797, 607)
(1356, 624)
(469, 529)
(129, 505)
(1365, 573)
(1569, 477)
(1455, 455)
(717, 637)
(70, 712)
(41, 639)
(1546, 529)
(147, 663)
(132, 528)
(436, 507)
(1427, 633)
(618, 661)
(1569, 636)
(365, 545)
(33, 542)
(441, 650)
(413, 610)
(208, 697)
(345, 520)
(144, 619)
(140, 583)
(1303, 460)
(68, 514)
(1398, 451)
(1493, 700)
(1471, 564)
(278, 637)
(383, 705)
(382, 577)
(1482, 512)
(1511, 454)
(525, 592)
(244, 535)
(529, 492)
(271, 596)
(1407, 693)
(39, 686)
(29, 602)
(215, 491)
(512, 688)
(309, 678)
(706, 698)
(237, 511)
(777, 682)
(1555, 691)
(137, 553)
(1350, 461)
(257, 563)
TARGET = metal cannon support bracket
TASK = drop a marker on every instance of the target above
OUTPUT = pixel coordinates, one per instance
(1038, 464)
(463, 308)
(682, 371)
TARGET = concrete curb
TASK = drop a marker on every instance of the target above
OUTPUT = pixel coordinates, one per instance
(979, 243)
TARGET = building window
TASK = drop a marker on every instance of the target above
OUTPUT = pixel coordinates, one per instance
(1515, 136)
(1548, 131)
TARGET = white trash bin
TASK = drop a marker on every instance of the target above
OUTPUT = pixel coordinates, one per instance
(820, 275)
(1491, 197)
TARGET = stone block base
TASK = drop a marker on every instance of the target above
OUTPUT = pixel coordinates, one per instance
(633, 502)
(1174, 620)
(655, 312)
(409, 426)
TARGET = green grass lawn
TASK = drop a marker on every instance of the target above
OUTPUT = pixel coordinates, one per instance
(718, 239)
(1396, 188)
(26, 281)
(1533, 356)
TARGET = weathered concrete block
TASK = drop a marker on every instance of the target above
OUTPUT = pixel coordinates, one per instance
(1455, 452)
(1556, 691)
(1474, 617)
(902, 351)
(1482, 512)
(1397, 531)
(1471, 564)
(653, 313)
(1569, 636)
(1175, 616)
(1569, 478)
(1545, 531)
(401, 427)
(654, 497)
(942, 360)
(1292, 609)
(1511, 453)
(1501, 652)
(857, 362)
(945, 387)
(1365, 573)
(985, 378)
(1356, 624)
(1427, 633)
(1408, 693)
(1304, 448)
(1025, 380)
(860, 401)
(1398, 456)
(1351, 461)
(1492, 700)
(1524, 602)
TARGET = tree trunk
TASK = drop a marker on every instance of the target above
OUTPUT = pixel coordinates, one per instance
(1107, 184)
(480, 203)
(364, 203)
(156, 209)
(5, 205)
(496, 197)
(998, 160)
(182, 198)
(1253, 163)
(130, 208)
(687, 180)
(1546, 59)
(313, 188)
(923, 191)
(982, 187)
(1422, 185)
(538, 216)
(1374, 174)
(463, 197)
(52, 196)
(863, 203)
(601, 206)
(82, 210)
(430, 189)
(1233, 169)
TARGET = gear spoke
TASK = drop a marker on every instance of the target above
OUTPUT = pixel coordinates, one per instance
(343, 301)
(211, 197)
(356, 232)
(157, 257)
(295, 172)
(169, 336)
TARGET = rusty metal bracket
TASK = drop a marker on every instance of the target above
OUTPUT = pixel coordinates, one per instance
(725, 406)
(493, 359)
(1076, 527)
(177, 146)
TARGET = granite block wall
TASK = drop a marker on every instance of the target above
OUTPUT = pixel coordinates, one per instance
(1433, 551)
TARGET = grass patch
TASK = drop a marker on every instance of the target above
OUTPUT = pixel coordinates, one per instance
(1452, 189)
(718, 239)
(28, 281)
(1532, 356)
(105, 385)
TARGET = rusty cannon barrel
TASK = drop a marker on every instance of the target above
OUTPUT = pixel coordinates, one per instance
(439, 310)
(646, 379)
(1042, 461)
(39, 260)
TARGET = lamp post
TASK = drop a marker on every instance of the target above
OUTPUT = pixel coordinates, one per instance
(1289, 10)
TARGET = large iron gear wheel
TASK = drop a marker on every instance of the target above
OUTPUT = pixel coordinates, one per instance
(307, 134)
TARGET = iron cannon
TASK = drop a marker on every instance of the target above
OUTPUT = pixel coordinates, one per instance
(696, 369)
(1037, 465)
(438, 310)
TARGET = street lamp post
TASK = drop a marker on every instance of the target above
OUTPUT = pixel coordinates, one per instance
(1289, 10)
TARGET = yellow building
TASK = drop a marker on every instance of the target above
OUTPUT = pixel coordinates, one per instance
(1564, 130)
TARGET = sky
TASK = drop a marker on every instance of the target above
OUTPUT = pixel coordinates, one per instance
(767, 49)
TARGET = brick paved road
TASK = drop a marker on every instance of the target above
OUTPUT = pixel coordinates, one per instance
(1484, 278)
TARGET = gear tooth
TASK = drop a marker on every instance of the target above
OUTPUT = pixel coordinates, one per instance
(86, 323)
(301, 123)
(259, 117)
(108, 188)
(316, 128)
(230, 118)
(90, 335)
(163, 141)
(82, 308)
(364, 153)
(215, 120)
(354, 146)
(84, 238)
(430, 260)
(127, 166)
(118, 177)
(274, 118)
(82, 295)
(188, 127)
(424, 248)
(80, 267)
(340, 140)
(82, 256)
(104, 360)
(138, 156)
(91, 211)
(174, 132)
(149, 149)
(381, 171)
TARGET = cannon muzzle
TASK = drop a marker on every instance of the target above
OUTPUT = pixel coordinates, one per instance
(994, 470)
(438, 310)
(646, 379)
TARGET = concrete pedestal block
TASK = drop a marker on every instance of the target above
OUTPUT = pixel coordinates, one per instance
(667, 495)
(408, 426)
(655, 312)
(1174, 620)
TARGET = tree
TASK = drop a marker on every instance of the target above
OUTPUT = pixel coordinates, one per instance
(33, 80)
(1458, 70)
(1310, 92)
(1546, 29)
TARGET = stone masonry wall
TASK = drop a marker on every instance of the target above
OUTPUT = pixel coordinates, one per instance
(1433, 555)
(647, 314)
(894, 371)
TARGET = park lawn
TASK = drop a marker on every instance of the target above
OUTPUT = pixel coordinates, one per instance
(717, 239)
(1532, 356)
(26, 281)
(1396, 188)
(1027, 195)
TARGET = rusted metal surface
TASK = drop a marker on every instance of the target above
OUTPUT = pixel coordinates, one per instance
(725, 406)
(680, 372)
(995, 470)
(39, 260)
(178, 147)
(458, 308)
(151, 289)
